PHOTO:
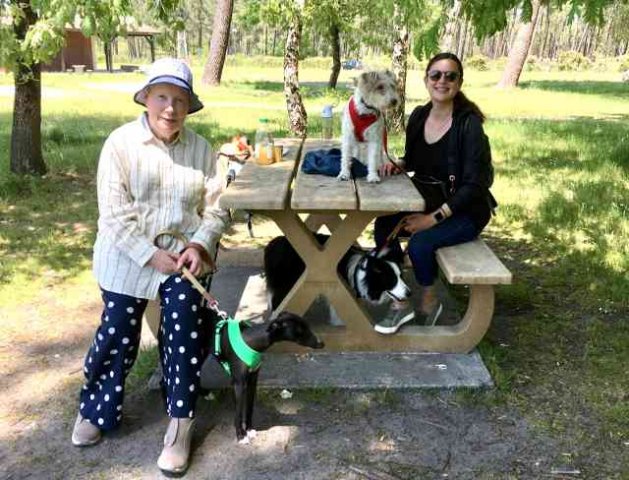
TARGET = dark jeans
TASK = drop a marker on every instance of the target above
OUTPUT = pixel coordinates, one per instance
(458, 228)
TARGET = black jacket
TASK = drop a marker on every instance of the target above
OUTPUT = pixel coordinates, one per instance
(472, 158)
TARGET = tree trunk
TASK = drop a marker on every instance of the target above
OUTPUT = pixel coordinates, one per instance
(109, 62)
(544, 51)
(274, 41)
(266, 39)
(449, 35)
(218, 45)
(400, 65)
(460, 49)
(336, 55)
(297, 116)
(182, 45)
(200, 30)
(26, 153)
(519, 51)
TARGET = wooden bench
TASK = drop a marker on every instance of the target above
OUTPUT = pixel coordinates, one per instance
(474, 264)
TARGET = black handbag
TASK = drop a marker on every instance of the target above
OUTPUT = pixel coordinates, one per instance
(432, 189)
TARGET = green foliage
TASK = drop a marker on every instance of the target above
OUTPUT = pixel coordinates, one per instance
(104, 18)
(39, 41)
(623, 65)
(490, 16)
(477, 62)
(426, 35)
(44, 37)
(572, 61)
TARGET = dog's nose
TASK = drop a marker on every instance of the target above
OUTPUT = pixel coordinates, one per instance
(394, 102)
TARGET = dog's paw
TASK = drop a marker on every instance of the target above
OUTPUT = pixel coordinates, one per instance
(373, 178)
(244, 441)
(251, 434)
(344, 176)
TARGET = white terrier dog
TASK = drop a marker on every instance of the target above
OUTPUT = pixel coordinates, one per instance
(363, 122)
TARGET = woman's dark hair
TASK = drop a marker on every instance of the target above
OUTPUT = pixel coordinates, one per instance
(460, 100)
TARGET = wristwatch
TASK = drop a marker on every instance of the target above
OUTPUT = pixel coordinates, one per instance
(439, 216)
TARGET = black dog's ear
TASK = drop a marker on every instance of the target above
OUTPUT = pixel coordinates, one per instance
(279, 321)
(274, 326)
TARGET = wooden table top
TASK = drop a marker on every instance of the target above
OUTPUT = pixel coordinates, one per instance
(268, 187)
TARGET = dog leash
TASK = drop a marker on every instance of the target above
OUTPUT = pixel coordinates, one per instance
(212, 303)
(250, 357)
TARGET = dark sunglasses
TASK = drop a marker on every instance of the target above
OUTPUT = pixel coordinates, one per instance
(435, 76)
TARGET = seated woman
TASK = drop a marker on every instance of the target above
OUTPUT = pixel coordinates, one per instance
(466, 212)
(154, 176)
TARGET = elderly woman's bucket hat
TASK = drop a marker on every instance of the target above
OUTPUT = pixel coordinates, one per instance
(175, 72)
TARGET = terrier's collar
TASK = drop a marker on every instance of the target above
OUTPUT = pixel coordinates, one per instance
(361, 121)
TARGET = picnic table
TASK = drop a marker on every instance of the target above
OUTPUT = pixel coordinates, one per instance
(301, 203)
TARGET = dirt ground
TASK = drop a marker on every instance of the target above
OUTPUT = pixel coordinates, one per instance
(313, 435)
(322, 434)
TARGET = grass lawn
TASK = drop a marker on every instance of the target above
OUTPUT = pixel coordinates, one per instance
(558, 349)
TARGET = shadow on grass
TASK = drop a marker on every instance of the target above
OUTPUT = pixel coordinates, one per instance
(617, 89)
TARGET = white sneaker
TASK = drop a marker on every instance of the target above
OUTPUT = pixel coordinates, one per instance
(394, 319)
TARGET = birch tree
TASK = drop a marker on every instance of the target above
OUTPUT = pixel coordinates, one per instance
(297, 116)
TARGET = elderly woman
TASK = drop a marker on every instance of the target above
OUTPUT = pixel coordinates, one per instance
(154, 176)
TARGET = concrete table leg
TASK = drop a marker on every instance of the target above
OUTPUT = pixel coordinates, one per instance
(320, 276)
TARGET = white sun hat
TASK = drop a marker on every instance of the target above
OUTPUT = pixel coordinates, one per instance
(175, 72)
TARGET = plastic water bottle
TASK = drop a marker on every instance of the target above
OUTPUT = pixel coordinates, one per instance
(263, 143)
(327, 118)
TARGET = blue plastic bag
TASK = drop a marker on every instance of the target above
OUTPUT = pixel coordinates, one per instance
(328, 162)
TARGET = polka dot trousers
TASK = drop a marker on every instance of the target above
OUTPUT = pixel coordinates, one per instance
(184, 336)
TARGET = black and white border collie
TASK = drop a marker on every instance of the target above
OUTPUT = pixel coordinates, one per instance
(369, 276)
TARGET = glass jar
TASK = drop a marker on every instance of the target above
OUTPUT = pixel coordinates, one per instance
(263, 143)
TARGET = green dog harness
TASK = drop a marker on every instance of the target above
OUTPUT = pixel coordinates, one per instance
(244, 352)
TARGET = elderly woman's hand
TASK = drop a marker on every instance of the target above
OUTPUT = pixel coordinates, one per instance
(164, 261)
(191, 258)
(195, 257)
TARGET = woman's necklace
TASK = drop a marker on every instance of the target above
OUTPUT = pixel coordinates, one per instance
(435, 130)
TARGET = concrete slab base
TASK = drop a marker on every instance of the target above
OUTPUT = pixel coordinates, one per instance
(241, 291)
(365, 370)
